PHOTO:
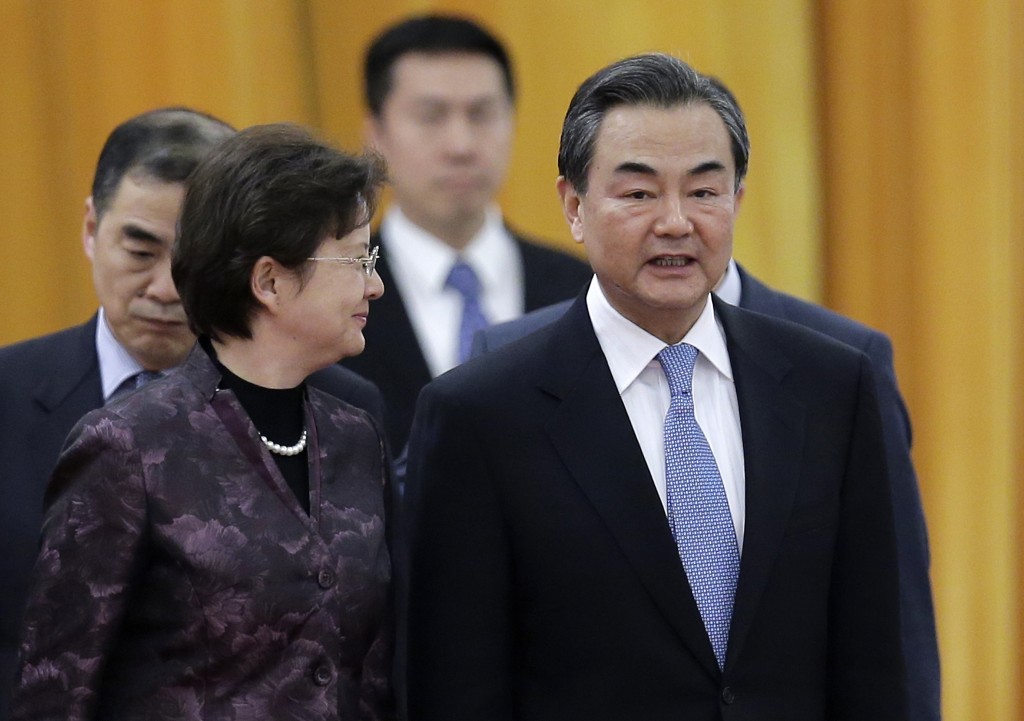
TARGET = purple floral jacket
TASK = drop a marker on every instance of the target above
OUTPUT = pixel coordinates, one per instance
(179, 578)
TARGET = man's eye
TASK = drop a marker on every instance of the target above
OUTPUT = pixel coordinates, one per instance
(483, 115)
(431, 117)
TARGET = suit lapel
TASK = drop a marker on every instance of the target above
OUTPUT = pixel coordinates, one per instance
(389, 334)
(75, 366)
(592, 434)
(772, 423)
(72, 389)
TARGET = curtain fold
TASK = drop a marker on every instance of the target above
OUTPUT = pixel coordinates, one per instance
(921, 107)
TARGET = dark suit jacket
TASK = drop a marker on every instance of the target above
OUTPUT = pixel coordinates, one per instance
(393, 359)
(179, 577)
(545, 583)
(47, 384)
(917, 614)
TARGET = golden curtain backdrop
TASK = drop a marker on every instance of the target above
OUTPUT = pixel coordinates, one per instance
(885, 179)
(923, 170)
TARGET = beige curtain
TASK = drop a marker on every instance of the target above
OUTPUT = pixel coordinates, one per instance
(885, 180)
(922, 129)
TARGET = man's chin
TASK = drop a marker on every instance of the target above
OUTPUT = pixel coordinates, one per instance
(162, 353)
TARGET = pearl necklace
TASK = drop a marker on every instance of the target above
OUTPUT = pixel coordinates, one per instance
(280, 450)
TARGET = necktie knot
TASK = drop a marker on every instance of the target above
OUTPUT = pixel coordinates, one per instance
(143, 377)
(464, 280)
(134, 382)
(678, 361)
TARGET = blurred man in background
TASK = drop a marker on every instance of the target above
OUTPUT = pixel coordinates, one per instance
(441, 100)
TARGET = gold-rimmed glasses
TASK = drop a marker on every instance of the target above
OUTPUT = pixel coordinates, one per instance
(369, 262)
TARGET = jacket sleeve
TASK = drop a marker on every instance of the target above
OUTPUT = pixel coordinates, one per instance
(920, 644)
(458, 617)
(378, 702)
(93, 533)
(867, 680)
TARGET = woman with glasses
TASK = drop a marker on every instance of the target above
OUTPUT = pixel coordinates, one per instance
(214, 543)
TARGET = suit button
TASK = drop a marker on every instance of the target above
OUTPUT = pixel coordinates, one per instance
(728, 695)
(322, 675)
(325, 579)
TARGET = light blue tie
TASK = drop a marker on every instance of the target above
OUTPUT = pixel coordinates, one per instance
(464, 280)
(698, 510)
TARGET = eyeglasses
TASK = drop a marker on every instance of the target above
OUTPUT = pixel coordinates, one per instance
(369, 262)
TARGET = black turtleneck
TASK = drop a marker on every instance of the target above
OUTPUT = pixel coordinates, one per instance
(278, 414)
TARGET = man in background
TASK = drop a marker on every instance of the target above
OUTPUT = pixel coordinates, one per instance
(139, 331)
(440, 94)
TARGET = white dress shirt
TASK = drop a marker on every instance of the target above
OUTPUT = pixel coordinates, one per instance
(730, 287)
(632, 352)
(420, 263)
(116, 363)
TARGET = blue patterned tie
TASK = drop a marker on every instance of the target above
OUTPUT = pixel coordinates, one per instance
(143, 377)
(698, 510)
(464, 280)
(134, 382)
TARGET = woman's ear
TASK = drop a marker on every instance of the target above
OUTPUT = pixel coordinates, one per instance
(265, 282)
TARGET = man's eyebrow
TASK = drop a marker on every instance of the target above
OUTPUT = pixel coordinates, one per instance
(711, 166)
(136, 232)
(632, 166)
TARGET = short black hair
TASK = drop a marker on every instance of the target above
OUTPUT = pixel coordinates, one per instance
(654, 79)
(165, 144)
(434, 34)
(271, 190)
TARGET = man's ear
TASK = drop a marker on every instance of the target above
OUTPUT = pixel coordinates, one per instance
(90, 222)
(572, 207)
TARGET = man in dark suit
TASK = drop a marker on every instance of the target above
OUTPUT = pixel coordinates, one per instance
(917, 616)
(440, 94)
(49, 383)
(592, 536)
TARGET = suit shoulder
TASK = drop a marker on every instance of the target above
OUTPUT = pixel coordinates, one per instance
(789, 336)
(550, 275)
(829, 322)
(537, 254)
(66, 355)
(498, 374)
(33, 351)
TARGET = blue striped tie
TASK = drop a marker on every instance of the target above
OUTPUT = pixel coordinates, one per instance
(698, 510)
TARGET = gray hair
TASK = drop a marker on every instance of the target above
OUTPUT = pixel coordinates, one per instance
(654, 79)
(164, 144)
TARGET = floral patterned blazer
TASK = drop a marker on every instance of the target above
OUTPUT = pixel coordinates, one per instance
(179, 577)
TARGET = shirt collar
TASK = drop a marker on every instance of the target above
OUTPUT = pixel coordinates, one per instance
(629, 349)
(420, 256)
(116, 363)
(730, 288)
